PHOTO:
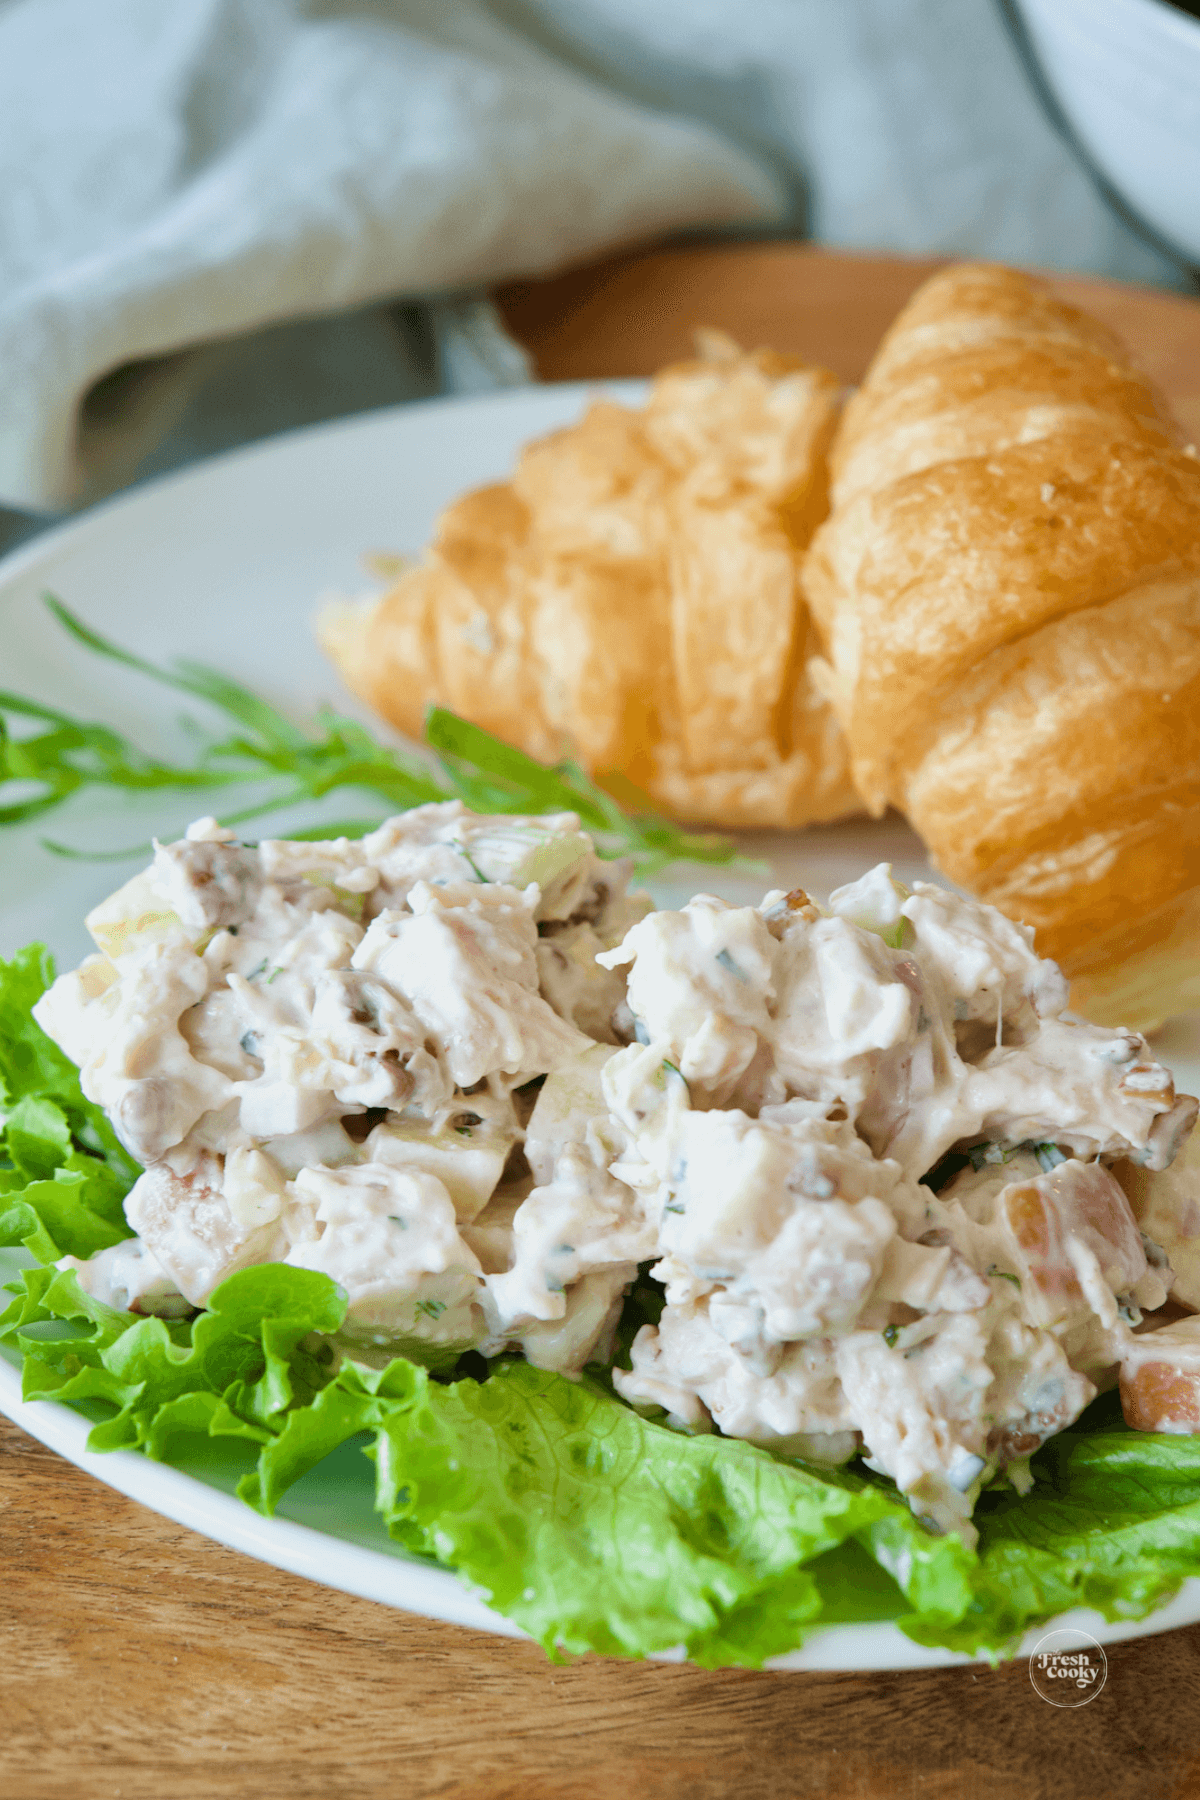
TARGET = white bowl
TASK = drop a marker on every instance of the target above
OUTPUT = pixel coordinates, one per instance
(1126, 74)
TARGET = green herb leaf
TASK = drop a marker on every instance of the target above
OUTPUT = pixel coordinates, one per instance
(305, 765)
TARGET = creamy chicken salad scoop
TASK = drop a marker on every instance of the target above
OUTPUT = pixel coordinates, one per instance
(880, 1171)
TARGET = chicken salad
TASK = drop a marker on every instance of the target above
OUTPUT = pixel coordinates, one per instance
(872, 1164)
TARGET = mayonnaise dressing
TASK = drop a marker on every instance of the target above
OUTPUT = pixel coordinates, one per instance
(455, 1066)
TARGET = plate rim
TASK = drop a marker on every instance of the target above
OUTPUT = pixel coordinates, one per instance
(440, 1594)
(24, 556)
(304, 1550)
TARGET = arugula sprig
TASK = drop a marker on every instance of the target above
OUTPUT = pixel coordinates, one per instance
(306, 764)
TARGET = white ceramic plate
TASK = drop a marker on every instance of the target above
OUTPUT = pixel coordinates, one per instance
(223, 564)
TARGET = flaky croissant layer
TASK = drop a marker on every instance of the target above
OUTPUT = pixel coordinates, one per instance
(1008, 592)
(631, 598)
(996, 629)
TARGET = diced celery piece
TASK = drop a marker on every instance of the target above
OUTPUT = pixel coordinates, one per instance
(136, 913)
(874, 902)
(530, 851)
(351, 904)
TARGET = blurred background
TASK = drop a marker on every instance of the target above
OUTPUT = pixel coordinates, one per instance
(223, 218)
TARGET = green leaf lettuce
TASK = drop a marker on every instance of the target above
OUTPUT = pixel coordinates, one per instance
(63, 1171)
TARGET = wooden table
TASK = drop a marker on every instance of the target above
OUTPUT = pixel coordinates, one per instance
(627, 315)
(143, 1660)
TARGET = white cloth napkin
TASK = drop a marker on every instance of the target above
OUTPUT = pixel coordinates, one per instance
(177, 174)
(182, 170)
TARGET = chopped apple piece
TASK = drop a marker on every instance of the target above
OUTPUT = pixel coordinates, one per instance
(1079, 1201)
(1160, 1379)
(467, 1158)
(96, 974)
(1166, 1205)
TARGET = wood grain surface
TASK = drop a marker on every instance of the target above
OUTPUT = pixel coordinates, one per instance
(140, 1659)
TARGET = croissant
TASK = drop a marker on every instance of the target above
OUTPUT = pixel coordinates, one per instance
(1008, 592)
(631, 598)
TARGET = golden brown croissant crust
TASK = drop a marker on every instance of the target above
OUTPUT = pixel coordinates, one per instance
(1008, 589)
(631, 598)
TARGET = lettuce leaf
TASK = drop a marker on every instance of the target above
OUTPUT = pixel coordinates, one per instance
(63, 1171)
(1114, 1522)
(590, 1526)
(597, 1529)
